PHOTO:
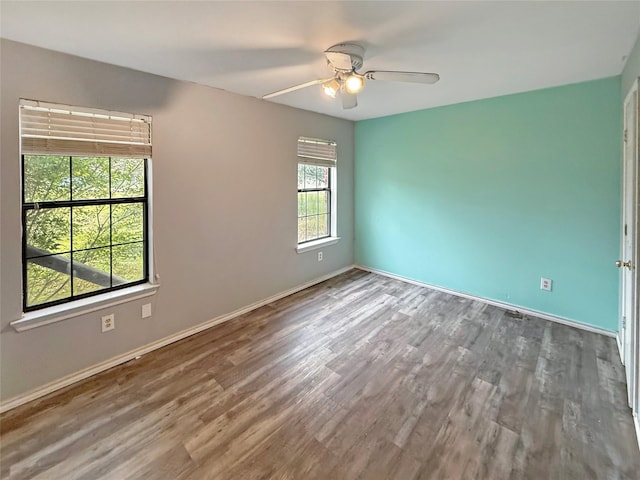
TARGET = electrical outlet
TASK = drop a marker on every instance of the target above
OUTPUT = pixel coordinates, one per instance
(319, 256)
(146, 310)
(545, 284)
(108, 322)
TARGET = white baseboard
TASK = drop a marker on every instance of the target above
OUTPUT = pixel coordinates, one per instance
(619, 342)
(507, 306)
(125, 357)
(636, 421)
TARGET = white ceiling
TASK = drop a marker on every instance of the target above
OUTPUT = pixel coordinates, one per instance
(480, 49)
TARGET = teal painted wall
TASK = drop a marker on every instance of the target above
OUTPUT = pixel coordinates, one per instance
(486, 197)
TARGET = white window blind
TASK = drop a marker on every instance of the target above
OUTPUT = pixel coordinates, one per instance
(52, 129)
(315, 151)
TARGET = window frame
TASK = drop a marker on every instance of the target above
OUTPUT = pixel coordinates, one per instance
(71, 203)
(320, 153)
(42, 133)
(330, 205)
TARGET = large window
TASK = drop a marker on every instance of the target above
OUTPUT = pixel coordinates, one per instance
(316, 189)
(84, 214)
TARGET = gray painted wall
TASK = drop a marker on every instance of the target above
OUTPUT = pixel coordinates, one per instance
(631, 69)
(224, 182)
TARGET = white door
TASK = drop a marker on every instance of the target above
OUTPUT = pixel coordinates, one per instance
(629, 329)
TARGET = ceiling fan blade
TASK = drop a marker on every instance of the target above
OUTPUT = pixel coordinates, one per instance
(349, 101)
(296, 87)
(341, 61)
(414, 77)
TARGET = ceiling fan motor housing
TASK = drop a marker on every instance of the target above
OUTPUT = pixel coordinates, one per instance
(355, 52)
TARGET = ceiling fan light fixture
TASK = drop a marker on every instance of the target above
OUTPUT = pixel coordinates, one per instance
(345, 60)
(331, 87)
(354, 83)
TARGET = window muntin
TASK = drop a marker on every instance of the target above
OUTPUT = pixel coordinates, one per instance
(84, 224)
(314, 202)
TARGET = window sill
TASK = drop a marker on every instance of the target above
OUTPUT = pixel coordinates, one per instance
(324, 242)
(58, 313)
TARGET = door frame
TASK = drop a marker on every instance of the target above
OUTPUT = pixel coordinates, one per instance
(629, 344)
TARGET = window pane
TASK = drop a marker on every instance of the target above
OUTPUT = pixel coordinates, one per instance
(90, 178)
(45, 284)
(323, 202)
(310, 176)
(323, 225)
(323, 177)
(127, 177)
(312, 227)
(302, 204)
(312, 203)
(48, 229)
(128, 262)
(91, 270)
(300, 175)
(46, 178)
(90, 226)
(302, 229)
(127, 223)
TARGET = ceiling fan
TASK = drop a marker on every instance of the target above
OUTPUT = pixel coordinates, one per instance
(345, 59)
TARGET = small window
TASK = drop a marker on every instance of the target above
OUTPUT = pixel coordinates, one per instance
(314, 202)
(85, 204)
(316, 189)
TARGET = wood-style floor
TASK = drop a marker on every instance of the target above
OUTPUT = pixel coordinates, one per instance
(360, 377)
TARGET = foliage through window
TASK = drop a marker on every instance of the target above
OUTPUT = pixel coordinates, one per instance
(84, 202)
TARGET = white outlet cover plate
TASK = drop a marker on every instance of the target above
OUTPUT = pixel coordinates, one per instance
(146, 310)
(546, 284)
(108, 322)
